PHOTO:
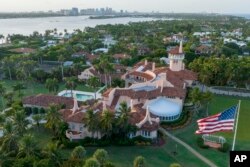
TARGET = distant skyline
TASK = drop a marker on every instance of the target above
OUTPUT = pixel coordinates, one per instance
(186, 6)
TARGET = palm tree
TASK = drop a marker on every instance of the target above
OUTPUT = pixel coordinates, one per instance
(61, 60)
(139, 161)
(101, 155)
(94, 83)
(106, 123)
(52, 85)
(37, 118)
(206, 98)
(53, 118)
(20, 122)
(8, 63)
(9, 96)
(123, 117)
(28, 146)
(2, 92)
(18, 87)
(79, 152)
(52, 152)
(9, 142)
(70, 83)
(92, 162)
(196, 97)
(104, 67)
(90, 121)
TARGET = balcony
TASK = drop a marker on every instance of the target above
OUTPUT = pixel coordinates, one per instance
(74, 135)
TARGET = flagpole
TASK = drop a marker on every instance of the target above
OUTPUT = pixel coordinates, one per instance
(236, 125)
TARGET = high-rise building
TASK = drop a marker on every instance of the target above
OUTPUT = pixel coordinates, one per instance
(74, 12)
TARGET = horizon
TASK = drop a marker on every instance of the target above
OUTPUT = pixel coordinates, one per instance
(162, 6)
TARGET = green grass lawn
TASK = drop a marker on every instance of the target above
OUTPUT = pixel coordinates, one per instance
(38, 88)
(218, 104)
(123, 156)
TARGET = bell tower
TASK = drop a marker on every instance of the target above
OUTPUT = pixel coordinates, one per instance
(176, 57)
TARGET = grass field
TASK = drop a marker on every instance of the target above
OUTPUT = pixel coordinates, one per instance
(37, 88)
(218, 104)
(123, 156)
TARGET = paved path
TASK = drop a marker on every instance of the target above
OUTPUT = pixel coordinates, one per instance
(197, 154)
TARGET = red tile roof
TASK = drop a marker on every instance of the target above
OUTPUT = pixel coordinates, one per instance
(45, 101)
(121, 56)
(139, 115)
(23, 50)
(106, 93)
(175, 51)
(141, 74)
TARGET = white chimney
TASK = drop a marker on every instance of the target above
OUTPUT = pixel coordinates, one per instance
(162, 84)
(75, 108)
(131, 105)
(181, 48)
(146, 62)
(104, 106)
(184, 85)
(153, 66)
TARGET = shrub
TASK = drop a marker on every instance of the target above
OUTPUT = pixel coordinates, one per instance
(28, 111)
(42, 111)
(35, 110)
(181, 121)
(200, 143)
(175, 165)
(63, 106)
(224, 148)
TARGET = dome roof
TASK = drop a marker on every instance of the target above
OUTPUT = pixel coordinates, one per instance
(165, 108)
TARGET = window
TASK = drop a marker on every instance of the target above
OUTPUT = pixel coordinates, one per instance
(146, 133)
(81, 128)
(72, 126)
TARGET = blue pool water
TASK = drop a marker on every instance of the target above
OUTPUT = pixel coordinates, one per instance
(79, 97)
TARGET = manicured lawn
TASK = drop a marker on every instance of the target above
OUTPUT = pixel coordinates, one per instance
(37, 88)
(123, 156)
(218, 104)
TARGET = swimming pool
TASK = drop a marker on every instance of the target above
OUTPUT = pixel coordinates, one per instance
(80, 96)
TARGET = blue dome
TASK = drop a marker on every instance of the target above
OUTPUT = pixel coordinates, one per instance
(164, 108)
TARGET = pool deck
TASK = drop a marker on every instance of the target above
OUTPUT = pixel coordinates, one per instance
(98, 94)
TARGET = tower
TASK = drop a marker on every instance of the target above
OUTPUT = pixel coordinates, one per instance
(176, 57)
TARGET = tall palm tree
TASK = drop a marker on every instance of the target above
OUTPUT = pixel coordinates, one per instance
(70, 83)
(107, 120)
(52, 85)
(53, 118)
(20, 122)
(196, 98)
(90, 121)
(9, 96)
(105, 67)
(61, 60)
(19, 87)
(123, 117)
(8, 63)
(206, 98)
(27, 146)
(37, 118)
(2, 92)
(9, 142)
(52, 152)
(94, 83)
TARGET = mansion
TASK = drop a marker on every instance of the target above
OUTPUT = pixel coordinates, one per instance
(152, 93)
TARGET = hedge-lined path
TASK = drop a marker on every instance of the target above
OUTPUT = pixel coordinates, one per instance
(193, 151)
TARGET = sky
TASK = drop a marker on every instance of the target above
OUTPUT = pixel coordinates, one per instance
(187, 6)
